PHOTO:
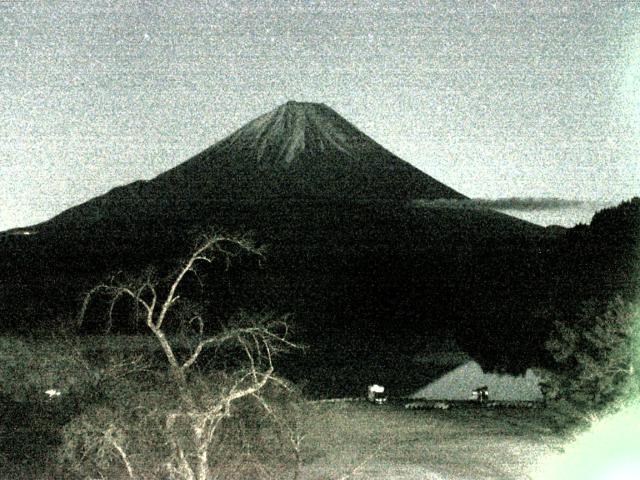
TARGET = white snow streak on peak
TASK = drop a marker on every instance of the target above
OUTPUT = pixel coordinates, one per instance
(292, 127)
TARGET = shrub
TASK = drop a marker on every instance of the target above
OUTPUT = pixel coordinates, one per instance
(596, 358)
(147, 430)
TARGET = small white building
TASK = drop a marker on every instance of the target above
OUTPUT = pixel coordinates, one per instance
(459, 383)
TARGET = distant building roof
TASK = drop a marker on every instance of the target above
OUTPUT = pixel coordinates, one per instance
(461, 381)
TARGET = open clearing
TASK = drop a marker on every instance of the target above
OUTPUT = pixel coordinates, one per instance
(358, 439)
(389, 442)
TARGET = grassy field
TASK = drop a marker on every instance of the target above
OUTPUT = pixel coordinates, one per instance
(389, 442)
(342, 439)
(354, 440)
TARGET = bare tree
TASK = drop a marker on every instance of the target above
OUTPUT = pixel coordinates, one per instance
(258, 343)
(191, 424)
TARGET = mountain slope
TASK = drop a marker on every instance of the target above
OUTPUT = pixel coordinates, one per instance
(299, 151)
(304, 151)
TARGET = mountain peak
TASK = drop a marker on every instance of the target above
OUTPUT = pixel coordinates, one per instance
(304, 150)
(302, 105)
(292, 130)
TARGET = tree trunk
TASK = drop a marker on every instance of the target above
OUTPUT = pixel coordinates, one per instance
(178, 376)
(298, 471)
(202, 446)
(202, 471)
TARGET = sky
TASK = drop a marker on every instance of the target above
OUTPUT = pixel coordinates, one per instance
(495, 99)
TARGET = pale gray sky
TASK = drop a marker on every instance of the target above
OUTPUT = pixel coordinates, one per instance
(495, 99)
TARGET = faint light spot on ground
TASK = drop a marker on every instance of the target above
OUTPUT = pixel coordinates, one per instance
(52, 393)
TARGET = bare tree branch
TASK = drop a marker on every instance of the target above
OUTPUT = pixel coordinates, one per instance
(258, 337)
(123, 456)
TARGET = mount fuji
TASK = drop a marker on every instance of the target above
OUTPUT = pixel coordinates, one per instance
(367, 252)
(296, 152)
